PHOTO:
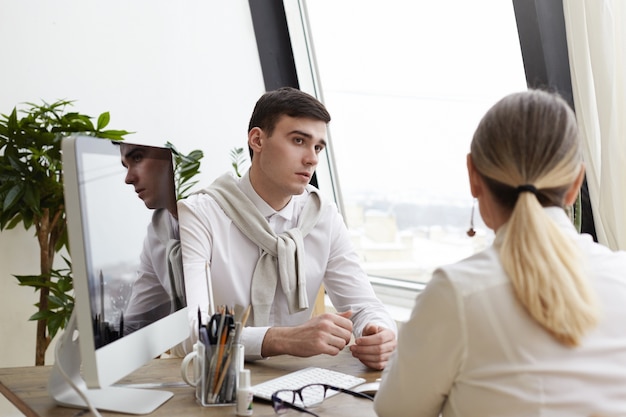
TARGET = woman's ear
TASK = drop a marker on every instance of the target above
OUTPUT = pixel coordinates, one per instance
(474, 178)
(572, 192)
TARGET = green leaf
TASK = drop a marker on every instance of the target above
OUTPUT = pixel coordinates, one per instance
(32, 196)
(56, 322)
(113, 134)
(12, 197)
(54, 302)
(14, 222)
(65, 285)
(103, 120)
(12, 124)
(41, 315)
(36, 281)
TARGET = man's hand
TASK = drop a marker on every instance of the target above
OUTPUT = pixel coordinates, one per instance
(375, 346)
(327, 333)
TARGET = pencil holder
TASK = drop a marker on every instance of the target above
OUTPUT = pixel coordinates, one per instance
(215, 373)
(217, 357)
(219, 376)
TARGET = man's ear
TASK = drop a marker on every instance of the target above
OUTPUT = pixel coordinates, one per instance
(475, 180)
(255, 140)
(572, 192)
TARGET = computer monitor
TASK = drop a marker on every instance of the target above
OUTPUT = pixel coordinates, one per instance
(127, 271)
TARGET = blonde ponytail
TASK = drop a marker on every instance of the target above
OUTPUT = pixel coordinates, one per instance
(546, 271)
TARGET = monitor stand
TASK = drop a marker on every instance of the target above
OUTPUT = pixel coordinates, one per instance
(116, 399)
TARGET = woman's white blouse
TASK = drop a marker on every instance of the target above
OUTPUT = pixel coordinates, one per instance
(470, 348)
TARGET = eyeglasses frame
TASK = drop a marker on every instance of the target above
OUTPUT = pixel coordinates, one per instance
(276, 400)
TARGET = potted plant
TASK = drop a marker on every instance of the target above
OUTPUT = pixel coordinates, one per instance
(31, 193)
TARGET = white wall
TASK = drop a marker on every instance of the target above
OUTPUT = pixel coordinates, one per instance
(185, 71)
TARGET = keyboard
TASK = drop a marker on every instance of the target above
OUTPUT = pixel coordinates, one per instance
(311, 375)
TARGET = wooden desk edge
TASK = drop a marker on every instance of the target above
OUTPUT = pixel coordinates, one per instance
(17, 401)
(26, 389)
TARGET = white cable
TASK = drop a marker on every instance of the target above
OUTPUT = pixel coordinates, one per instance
(80, 393)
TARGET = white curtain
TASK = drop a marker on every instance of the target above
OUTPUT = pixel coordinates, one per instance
(596, 31)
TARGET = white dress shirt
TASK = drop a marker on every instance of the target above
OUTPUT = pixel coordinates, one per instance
(471, 349)
(209, 237)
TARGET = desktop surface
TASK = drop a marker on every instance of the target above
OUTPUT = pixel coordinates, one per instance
(26, 387)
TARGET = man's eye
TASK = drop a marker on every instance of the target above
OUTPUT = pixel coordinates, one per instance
(298, 140)
(319, 149)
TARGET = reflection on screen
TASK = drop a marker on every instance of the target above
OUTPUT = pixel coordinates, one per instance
(134, 264)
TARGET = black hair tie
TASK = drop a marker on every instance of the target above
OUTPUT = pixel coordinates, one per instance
(526, 187)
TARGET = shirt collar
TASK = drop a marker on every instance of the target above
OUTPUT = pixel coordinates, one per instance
(265, 209)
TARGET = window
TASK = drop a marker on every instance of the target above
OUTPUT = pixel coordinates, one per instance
(406, 83)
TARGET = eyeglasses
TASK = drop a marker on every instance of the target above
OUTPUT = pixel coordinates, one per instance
(306, 397)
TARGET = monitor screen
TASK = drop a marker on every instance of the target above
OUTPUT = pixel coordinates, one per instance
(123, 238)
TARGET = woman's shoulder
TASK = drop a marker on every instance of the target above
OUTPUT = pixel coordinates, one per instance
(604, 262)
(477, 272)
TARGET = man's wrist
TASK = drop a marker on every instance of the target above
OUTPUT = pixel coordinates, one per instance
(274, 342)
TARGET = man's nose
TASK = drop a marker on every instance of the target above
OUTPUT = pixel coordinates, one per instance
(311, 157)
(130, 177)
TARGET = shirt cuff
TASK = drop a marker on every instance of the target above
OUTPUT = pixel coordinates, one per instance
(252, 339)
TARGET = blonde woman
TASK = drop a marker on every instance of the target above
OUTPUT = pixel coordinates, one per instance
(536, 324)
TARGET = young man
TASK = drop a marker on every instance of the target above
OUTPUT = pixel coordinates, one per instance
(270, 241)
(158, 289)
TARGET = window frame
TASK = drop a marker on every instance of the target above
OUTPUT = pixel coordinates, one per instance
(287, 55)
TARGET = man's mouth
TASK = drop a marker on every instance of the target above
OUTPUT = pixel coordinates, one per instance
(304, 174)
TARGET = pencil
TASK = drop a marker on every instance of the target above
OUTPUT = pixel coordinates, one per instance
(220, 381)
(246, 314)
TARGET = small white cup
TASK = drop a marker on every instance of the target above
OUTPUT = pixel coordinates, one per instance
(196, 359)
